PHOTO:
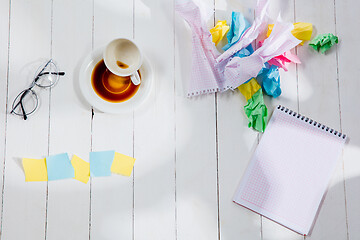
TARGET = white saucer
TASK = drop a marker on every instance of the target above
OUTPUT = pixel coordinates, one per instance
(104, 106)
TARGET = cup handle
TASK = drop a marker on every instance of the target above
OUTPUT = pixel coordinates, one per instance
(135, 78)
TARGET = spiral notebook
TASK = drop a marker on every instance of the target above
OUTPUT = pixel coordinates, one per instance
(290, 170)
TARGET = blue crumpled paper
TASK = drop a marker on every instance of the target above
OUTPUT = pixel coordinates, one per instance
(238, 26)
(245, 52)
(269, 78)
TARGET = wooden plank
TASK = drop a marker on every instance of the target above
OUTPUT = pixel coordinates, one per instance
(288, 79)
(24, 204)
(112, 197)
(318, 99)
(154, 126)
(288, 98)
(350, 117)
(4, 44)
(236, 143)
(70, 121)
(196, 157)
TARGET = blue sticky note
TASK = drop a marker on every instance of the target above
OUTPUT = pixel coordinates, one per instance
(100, 163)
(59, 167)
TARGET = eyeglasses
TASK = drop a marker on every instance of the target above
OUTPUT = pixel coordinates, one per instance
(27, 101)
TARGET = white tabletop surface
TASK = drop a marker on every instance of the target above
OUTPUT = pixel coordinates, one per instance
(190, 153)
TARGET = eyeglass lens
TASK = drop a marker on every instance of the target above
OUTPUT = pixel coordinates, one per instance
(25, 103)
(47, 75)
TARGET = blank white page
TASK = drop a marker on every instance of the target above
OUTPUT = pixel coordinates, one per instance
(290, 170)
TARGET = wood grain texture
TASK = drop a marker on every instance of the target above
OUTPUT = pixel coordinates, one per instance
(112, 197)
(25, 203)
(236, 143)
(190, 153)
(349, 102)
(4, 57)
(70, 121)
(196, 160)
(318, 99)
(154, 126)
(288, 98)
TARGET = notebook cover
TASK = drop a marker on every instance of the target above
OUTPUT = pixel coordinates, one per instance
(290, 170)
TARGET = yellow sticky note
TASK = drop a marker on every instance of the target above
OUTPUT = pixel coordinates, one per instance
(82, 169)
(122, 164)
(35, 170)
(248, 89)
(301, 31)
(218, 32)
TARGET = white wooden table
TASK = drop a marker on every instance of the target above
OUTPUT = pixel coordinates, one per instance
(191, 153)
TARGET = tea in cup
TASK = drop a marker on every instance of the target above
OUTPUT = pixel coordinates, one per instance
(111, 87)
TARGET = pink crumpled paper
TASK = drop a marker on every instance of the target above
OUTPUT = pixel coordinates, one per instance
(239, 70)
(215, 72)
(281, 60)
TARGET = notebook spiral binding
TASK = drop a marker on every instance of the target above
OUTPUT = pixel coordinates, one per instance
(311, 122)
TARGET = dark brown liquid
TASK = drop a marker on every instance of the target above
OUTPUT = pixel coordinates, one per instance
(122, 65)
(110, 87)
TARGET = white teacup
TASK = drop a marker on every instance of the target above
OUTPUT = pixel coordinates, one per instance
(123, 58)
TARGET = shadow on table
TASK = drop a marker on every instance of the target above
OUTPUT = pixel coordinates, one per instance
(330, 220)
(335, 214)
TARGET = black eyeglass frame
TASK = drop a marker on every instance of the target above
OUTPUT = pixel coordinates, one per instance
(34, 83)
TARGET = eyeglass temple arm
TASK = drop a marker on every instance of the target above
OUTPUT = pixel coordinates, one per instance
(23, 110)
(44, 73)
(20, 101)
(35, 80)
(37, 77)
(21, 104)
(26, 92)
(55, 73)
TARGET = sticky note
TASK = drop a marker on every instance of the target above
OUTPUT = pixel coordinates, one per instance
(100, 163)
(122, 164)
(59, 167)
(82, 169)
(35, 170)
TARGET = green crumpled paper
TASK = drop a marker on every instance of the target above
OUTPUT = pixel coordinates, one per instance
(256, 111)
(324, 42)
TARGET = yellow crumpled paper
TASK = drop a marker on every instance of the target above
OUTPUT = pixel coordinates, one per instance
(249, 89)
(218, 32)
(301, 31)
(255, 108)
